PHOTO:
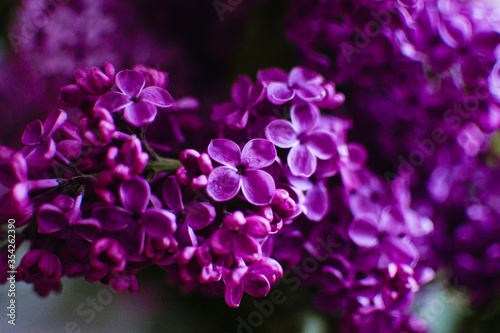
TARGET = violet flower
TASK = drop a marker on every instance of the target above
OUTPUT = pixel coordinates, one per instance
(139, 103)
(255, 279)
(241, 169)
(385, 237)
(240, 234)
(245, 96)
(38, 137)
(107, 255)
(308, 143)
(195, 169)
(282, 87)
(70, 225)
(94, 81)
(128, 161)
(197, 215)
(135, 220)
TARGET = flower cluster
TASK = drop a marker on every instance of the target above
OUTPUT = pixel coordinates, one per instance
(422, 76)
(94, 198)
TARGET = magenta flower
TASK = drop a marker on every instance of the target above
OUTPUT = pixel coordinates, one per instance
(107, 255)
(127, 162)
(385, 238)
(94, 81)
(282, 87)
(308, 143)
(245, 96)
(240, 234)
(38, 137)
(255, 280)
(70, 225)
(136, 220)
(241, 169)
(197, 215)
(195, 169)
(139, 103)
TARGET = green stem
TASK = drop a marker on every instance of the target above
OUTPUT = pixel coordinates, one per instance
(162, 164)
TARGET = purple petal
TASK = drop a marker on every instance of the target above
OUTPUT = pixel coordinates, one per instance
(222, 111)
(33, 133)
(222, 241)
(159, 223)
(317, 202)
(281, 133)
(301, 161)
(51, 219)
(130, 82)
(71, 149)
(140, 114)
(300, 76)
(257, 226)
(112, 101)
(233, 294)
(53, 122)
(89, 229)
(357, 156)
(258, 153)
(256, 285)
(199, 214)
(225, 152)
(258, 187)
(392, 220)
(321, 144)
(156, 96)
(247, 248)
(311, 93)
(45, 151)
(135, 194)
(172, 194)
(400, 250)
(223, 183)
(241, 90)
(272, 75)
(279, 93)
(112, 218)
(363, 232)
(304, 117)
(132, 238)
(238, 119)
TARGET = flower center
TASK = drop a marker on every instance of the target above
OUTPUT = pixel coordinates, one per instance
(241, 170)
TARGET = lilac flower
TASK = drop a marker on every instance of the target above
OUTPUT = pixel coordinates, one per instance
(255, 279)
(197, 263)
(241, 169)
(282, 87)
(384, 237)
(99, 128)
(38, 137)
(135, 220)
(51, 219)
(128, 161)
(107, 255)
(240, 234)
(195, 169)
(308, 143)
(39, 263)
(94, 81)
(245, 96)
(197, 214)
(139, 103)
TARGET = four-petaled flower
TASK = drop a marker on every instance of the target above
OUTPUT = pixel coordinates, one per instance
(136, 220)
(240, 169)
(308, 142)
(139, 103)
(38, 137)
(302, 82)
(245, 96)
